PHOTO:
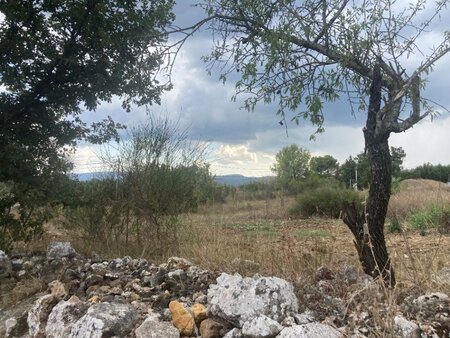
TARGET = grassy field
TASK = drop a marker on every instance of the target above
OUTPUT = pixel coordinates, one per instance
(248, 236)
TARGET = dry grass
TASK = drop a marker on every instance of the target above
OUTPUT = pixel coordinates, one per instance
(417, 194)
(258, 237)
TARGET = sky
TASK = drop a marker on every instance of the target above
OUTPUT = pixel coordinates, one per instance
(242, 142)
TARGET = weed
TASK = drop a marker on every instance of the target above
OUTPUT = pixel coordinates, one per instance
(394, 225)
(309, 233)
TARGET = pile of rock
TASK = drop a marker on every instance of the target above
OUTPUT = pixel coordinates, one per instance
(128, 297)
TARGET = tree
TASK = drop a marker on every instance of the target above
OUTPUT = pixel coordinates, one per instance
(299, 54)
(357, 170)
(324, 165)
(291, 165)
(62, 57)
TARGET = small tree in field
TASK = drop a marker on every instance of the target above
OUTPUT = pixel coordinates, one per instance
(299, 54)
(291, 165)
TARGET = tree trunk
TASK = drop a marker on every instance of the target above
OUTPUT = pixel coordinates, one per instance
(368, 226)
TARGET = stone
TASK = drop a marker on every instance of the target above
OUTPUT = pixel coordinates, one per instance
(237, 300)
(16, 327)
(304, 318)
(178, 263)
(58, 289)
(105, 320)
(261, 327)
(38, 314)
(349, 273)
(153, 327)
(235, 333)
(200, 313)
(59, 250)
(178, 275)
(405, 328)
(63, 317)
(182, 318)
(5, 265)
(209, 328)
(311, 330)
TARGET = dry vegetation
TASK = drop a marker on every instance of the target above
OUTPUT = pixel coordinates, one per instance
(258, 237)
(225, 237)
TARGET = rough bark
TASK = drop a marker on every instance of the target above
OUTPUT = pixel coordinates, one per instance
(368, 226)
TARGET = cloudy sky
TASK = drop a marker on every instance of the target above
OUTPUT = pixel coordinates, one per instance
(246, 143)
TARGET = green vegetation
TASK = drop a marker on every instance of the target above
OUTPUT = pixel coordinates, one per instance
(325, 202)
(311, 233)
(430, 217)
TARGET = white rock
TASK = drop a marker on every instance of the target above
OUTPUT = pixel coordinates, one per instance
(63, 317)
(105, 320)
(304, 318)
(238, 300)
(59, 250)
(406, 328)
(5, 265)
(153, 327)
(261, 327)
(235, 333)
(38, 315)
(311, 330)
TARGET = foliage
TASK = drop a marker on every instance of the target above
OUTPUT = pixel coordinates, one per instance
(157, 174)
(430, 171)
(324, 165)
(360, 165)
(261, 190)
(60, 58)
(325, 201)
(292, 164)
(429, 217)
(394, 225)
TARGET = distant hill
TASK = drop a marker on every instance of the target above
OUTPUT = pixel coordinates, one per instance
(231, 180)
(237, 180)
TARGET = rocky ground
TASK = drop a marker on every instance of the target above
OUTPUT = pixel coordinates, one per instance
(61, 294)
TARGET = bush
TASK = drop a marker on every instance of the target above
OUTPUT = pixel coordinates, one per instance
(325, 201)
(394, 225)
(431, 217)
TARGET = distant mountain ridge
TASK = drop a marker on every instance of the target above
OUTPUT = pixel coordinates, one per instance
(233, 180)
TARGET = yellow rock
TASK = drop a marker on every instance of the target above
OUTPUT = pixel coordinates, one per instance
(94, 299)
(200, 313)
(182, 318)
(58, 289)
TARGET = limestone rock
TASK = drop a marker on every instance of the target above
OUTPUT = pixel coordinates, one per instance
(179, 263)
(105, 320)
(235, 333)
(38, 314)
(209, 328)
(63, 317)
(153, 327)
(311, 330)
(406, 328)
(58, 289)
(182, 318)
(200, 313)
(59, 250)
(237, 300)
(5, 265)
(261, 327)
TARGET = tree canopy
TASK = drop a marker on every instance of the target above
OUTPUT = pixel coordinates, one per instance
(301, 54)
(61, 57)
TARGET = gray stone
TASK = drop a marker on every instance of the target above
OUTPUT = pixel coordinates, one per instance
(5, 265)
(261, 327)
(405, 328)
(238, 300)
(311, 330)
(63, 316)
(38, 314)
(179, 263)
(60, 250)
(178, 275)
(235, 333)
(153, 327)
(304, 318)
(105, 320)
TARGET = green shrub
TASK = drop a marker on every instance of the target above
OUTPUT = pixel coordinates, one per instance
(325, 201)
(430, 217)
(394, 225)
